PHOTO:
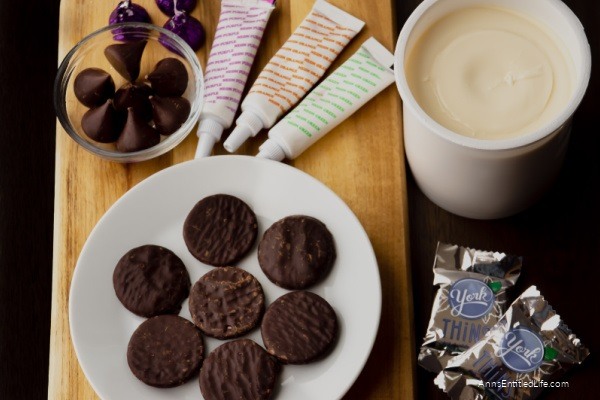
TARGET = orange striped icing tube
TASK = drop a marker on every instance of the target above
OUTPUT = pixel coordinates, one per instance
(294, 69)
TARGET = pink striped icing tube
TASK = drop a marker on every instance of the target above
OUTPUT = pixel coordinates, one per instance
(239, 32)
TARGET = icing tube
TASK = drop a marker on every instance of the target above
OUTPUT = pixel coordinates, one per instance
(294, 70)
(347, 89)
(239, 32)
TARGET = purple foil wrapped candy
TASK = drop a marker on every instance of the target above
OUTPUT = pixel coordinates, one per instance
(127, 11)
(188, 28)
(168, 6)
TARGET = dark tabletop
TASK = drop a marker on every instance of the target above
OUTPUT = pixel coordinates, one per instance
(558, 238)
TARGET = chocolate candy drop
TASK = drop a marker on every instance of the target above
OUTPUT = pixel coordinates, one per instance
(135, 95)
(137, 134)
(102, 124)
(169, 78)
(93, 87)
(169, 113)
(125, 58)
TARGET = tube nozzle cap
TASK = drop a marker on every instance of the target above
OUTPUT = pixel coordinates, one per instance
(271, 150)
(205, 145)
(248, 125)
(209, 132)
(237, 138)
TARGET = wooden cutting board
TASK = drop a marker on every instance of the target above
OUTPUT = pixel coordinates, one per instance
(362, 161)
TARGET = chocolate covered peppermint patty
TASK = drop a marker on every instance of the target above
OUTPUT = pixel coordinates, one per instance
(227, 302)
(239, 370)
(299, 328)
(165, 351)
(220, 230)
(296, 252)
(151, 280)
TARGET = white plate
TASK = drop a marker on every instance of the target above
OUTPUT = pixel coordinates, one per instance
(153, 212)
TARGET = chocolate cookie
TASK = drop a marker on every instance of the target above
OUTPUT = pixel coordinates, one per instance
(238, 370)
(227, 302)
(151, 280)
(299, 328)
(296, 252)
(165, 351)
(220, 230)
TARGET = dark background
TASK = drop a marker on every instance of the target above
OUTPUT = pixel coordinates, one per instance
(559, 237)
(28, 62)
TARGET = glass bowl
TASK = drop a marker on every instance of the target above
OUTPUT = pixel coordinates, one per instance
(89, 52)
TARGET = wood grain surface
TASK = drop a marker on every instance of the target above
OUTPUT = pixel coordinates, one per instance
(362, 161)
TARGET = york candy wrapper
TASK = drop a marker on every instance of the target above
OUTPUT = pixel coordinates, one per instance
(528, 348)
(470, 300)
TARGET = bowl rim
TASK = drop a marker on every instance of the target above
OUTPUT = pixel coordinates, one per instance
(517, 142)
(64, 75)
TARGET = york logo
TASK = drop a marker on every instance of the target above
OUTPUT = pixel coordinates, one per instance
(470, 298)
(521, 350)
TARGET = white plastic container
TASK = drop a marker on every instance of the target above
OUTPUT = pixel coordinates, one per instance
(487, 179)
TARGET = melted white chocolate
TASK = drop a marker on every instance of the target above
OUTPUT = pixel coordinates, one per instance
(490, 73)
